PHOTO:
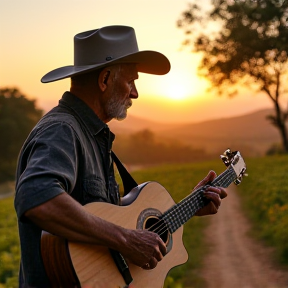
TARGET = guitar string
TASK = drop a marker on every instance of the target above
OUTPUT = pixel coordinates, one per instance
(178, 216)
(156, 224)
(223, 179)
(159, 228)
(175, 210)
(193, 195)
(162, 226)
(189, 198)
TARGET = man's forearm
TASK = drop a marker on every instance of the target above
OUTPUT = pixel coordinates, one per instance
(65, 217)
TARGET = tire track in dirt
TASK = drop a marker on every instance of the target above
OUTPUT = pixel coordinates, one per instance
(236, 260)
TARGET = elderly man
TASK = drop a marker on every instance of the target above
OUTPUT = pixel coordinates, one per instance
(66, 161)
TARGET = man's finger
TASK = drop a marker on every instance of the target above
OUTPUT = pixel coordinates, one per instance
(214, 197)
(210, 177)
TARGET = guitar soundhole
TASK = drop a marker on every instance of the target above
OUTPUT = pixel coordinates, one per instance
(150, 219)
(158, 226)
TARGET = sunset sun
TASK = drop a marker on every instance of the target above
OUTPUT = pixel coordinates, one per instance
(179, 86)
(176, 91)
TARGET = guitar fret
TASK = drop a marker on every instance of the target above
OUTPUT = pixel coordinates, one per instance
(224, 179)
(181, 212)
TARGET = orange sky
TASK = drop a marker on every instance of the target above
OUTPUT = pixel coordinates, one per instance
(37, 36)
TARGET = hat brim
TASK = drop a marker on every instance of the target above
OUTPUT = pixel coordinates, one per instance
(150, 62)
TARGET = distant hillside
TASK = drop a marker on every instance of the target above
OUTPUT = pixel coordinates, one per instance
(251, 133)
(133, 124)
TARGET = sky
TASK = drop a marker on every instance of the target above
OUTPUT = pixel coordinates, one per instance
(37, 37)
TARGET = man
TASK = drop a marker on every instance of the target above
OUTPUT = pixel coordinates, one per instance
(66, 160)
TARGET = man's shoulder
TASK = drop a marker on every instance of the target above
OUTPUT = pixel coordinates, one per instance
(60, 115)
(57, 121)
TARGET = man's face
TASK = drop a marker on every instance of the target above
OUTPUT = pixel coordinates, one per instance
(123, 89)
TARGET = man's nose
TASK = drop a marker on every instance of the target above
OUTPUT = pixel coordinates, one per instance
(134, 93)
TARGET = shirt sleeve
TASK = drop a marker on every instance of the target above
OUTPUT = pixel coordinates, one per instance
(47, 166)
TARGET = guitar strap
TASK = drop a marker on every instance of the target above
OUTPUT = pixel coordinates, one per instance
(128, 183)
(122, 266)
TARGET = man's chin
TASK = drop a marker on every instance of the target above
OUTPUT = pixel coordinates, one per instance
(121, 117)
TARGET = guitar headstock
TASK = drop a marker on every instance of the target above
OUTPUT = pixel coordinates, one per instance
(235, 160)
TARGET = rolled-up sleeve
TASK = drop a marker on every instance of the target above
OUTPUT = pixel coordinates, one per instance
(47, 166)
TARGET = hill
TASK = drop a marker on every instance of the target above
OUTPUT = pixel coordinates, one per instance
(133, 124)
(251, 133)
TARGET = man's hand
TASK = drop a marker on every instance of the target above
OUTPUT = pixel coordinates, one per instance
(215, 194)
(143, 248)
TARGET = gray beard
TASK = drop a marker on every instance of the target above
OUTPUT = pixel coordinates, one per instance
(117, 110)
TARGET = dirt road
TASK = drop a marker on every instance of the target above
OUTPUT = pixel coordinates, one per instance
(237, 260)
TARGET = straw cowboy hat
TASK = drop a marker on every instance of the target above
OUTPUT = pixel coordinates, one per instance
(107, 46)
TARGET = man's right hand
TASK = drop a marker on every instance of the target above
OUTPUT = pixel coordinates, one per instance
(143, 248)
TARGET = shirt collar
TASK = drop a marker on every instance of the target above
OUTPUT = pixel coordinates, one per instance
(84, 113)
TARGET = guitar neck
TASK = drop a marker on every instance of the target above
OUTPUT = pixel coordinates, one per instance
(181, 212)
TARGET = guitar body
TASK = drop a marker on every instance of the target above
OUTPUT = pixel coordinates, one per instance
(94, 265)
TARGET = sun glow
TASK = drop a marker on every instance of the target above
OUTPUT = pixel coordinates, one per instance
(176, 91)
(180, 86)
(177, 86)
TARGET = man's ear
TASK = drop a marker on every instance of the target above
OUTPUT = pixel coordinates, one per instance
(103, 79)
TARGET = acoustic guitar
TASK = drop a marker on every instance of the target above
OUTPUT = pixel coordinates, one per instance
(148, 206)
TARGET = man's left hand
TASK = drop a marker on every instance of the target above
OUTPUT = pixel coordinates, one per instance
(215, 194)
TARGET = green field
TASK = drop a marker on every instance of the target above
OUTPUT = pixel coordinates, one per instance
(9, 245)
(265, 197)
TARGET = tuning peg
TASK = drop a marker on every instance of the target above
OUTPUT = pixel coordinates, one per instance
(227, 153)
(238, 181)
(225, 160)
(226, 157)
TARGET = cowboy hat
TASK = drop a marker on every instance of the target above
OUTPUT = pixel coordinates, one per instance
(106, 46)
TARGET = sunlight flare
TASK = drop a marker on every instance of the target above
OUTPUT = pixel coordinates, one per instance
(180, 86)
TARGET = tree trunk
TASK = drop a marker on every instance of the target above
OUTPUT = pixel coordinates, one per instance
(281, 125)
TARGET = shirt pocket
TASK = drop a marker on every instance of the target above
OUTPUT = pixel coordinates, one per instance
(94, 190)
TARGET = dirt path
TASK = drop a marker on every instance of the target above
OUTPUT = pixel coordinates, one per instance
(238, 261)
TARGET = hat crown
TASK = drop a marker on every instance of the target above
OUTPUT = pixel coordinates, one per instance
(104, 44)
(107, 46)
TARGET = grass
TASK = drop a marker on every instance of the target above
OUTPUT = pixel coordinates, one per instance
(265, 198)
(9, 245)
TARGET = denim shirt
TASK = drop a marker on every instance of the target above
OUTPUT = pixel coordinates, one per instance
(68, 151)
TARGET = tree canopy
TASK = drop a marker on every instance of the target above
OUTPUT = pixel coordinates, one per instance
(18, 115)
(243, 42)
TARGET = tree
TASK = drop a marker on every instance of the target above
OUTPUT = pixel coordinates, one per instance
(243, 42)
(18, 115)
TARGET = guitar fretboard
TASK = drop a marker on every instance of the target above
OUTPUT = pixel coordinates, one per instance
(181, 212)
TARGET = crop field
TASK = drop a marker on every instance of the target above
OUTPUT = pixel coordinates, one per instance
(264, 193)
(9, 245)
(265, 196)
